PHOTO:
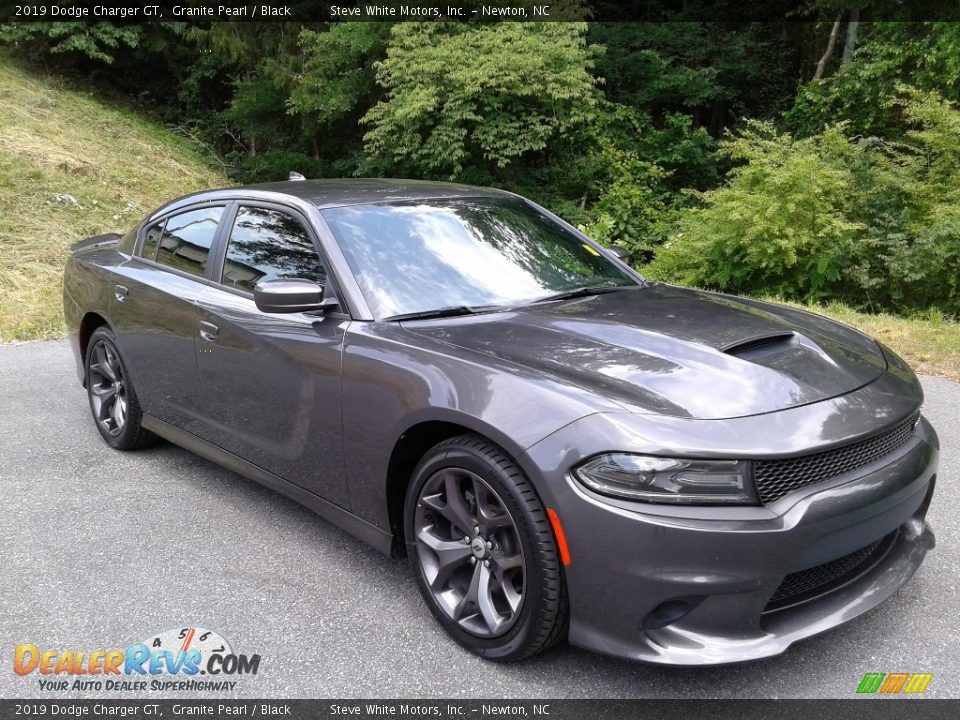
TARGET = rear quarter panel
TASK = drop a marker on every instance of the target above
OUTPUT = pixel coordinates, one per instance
(86, 286)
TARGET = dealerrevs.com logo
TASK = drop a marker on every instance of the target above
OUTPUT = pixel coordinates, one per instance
(188, 659)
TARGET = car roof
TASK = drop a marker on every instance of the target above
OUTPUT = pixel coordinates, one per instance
(352, 191)
(328, 193)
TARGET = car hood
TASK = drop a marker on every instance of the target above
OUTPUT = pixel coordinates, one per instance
(674, 351)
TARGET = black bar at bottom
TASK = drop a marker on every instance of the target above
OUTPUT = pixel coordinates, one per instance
(876, 708)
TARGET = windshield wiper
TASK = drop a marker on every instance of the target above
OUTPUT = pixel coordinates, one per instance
(444, 312)
(455, 310)
(582, 292)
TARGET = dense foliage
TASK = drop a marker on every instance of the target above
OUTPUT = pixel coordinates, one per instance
(833, 215)
(813, 160)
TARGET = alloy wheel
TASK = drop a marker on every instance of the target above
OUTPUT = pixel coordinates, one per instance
(107, 388)
(469, 551)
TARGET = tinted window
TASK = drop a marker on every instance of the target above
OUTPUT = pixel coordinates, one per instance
(186, 240)
(151, 239)
(432, 254)
(268, 245)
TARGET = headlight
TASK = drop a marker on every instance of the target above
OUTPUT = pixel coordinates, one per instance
(667, 480)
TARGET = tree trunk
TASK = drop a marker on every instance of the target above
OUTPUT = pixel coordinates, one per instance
(828, 53)
(851, 44)
(718, 115)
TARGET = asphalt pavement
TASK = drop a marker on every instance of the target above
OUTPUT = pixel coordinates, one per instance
(100, 549)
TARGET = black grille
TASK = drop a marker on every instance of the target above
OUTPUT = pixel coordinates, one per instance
(776, 478)
(815, 581)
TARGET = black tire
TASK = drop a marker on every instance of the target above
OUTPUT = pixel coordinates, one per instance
(539, 620)
(109, 385)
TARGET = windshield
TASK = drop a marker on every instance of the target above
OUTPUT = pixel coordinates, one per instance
(468, 252)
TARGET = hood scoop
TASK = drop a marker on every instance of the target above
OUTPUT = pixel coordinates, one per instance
(763, 345)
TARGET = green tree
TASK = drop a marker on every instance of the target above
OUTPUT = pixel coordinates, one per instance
(925, 55)
(637, 171)
(336, 87)
(712, 72)
(338, 81)
(459, 96)
(95, 41)
(260, 64)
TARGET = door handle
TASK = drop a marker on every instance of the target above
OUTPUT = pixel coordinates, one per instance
(208, 331)
(120, 292)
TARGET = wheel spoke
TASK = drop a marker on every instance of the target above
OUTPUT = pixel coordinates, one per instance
(96, 403)
(507, 562)
(104, 392)
(117, 412)
(469, 599)
(491, 617)
(451, 554)
(491, 513)
(453, 506)
(459, 513)
(102, 371)
(103, 366)
(512, 596)
(438, 504)
(107, 403)
(504, 570)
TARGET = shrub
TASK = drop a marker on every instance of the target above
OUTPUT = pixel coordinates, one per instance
(277, 165)
(639, 169)
(869, 222)
(782, 224)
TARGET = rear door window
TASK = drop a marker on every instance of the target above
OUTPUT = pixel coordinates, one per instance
(186, 239)
(151, 239)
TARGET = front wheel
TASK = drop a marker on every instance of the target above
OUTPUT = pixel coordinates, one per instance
(483, 551)
(113, 401)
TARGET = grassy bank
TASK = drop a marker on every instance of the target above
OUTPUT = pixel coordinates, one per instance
(72, 167)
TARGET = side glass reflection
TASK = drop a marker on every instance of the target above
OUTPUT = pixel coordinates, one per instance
(269, 245)
(185, 243)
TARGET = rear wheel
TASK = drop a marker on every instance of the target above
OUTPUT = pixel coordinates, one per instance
(483, 551)
(113, 401)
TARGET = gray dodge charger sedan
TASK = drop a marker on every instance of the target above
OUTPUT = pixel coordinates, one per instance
(562, 449)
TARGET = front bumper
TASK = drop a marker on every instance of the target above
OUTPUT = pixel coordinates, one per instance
(713, 571)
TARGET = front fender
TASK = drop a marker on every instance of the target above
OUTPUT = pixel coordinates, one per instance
(394, 380)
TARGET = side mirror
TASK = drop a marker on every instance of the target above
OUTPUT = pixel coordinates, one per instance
(618, 252)
(289, 296)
